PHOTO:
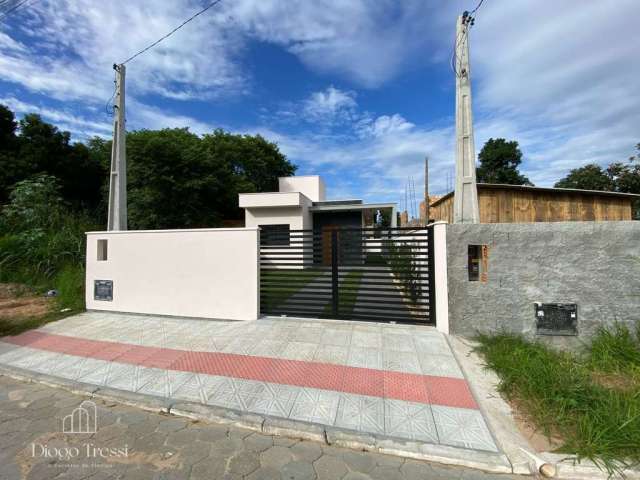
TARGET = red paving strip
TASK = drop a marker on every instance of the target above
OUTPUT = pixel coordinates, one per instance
(411, 387)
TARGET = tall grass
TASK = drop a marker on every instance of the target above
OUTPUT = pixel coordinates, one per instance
(615, 349)
(558, 392)
(42, 242)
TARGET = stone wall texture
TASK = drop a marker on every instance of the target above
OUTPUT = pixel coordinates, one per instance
(593, 264)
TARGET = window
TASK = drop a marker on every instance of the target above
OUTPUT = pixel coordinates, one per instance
(274, 234)
(102, 250)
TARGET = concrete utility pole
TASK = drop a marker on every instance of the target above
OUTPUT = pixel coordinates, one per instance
(465, 200)
(426, 190)
(118, 178)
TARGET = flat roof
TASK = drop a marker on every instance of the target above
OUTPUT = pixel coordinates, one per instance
(352, 206)
(338, 202)
(504, 186)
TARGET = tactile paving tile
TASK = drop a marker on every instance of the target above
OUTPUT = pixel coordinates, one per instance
(414, 387)
(404, 386)
(453, 392)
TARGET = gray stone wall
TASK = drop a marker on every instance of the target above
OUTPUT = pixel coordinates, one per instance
(593, 264)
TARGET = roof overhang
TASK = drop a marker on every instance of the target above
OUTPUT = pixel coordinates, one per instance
(272, 199)
(351, 207)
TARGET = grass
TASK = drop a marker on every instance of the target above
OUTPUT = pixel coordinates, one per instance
(346, 298)
(294, 279)
(561, 395)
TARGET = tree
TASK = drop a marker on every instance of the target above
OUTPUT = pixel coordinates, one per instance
(499, 161)
(179, 180)
(34, 147)
(589, 177)
(617, 177)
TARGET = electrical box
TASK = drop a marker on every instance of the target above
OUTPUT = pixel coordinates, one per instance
(556, 318)
(103, 290)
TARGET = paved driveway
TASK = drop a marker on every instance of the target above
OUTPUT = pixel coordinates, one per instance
(393, 380)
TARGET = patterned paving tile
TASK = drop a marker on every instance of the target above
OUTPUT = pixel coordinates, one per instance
(398, 342)
(233, 393)
(432, 345)
(47, 364)
(365, 357)
(313, 405)
(270, 348)
(336, 336)
(460, 427)
(366, 339)
(440, 365)
(192, 390)
(241, 346)
(400, 361)
(307, 334)
(166, 384)
(273, 399)
(409, 420)
(332, 354)
(361, 412)
(299, 351)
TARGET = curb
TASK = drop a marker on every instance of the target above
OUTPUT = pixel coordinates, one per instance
(452, 456)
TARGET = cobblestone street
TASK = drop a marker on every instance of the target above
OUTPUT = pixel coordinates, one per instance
(134, 444)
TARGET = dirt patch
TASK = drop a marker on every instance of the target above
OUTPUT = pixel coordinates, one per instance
(20, 302)
(537, 439)
(617, 381)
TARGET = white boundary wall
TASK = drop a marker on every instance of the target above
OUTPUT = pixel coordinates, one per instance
(207, 273)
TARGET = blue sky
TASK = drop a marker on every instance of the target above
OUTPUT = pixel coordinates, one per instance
(357, 91)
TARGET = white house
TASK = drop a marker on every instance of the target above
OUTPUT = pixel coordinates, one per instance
(300, 204)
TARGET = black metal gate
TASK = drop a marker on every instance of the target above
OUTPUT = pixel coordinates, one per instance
(347, 273)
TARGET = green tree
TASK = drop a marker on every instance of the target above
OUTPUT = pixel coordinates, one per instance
(499, 161)
(617, 177)
(179, 180)
(589, 177)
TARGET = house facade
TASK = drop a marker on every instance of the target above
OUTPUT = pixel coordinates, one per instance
(300, 204)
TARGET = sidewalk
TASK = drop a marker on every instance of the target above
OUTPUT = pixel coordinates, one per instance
(391, 381)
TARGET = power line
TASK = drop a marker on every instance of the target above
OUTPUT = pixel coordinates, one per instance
(172, 31)
(477, 7)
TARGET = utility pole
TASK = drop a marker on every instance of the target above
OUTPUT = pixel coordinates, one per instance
(117, 218)
(426, 190)
(465, 200)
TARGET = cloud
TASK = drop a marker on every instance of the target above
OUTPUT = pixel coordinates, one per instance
(330, 105)
(564, 85)
(65, 120)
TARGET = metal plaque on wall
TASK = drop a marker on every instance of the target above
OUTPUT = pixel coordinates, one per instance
(556, 318)
(103, 290)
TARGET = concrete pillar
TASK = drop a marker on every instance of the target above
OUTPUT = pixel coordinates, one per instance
(465, 201)
(440, 276)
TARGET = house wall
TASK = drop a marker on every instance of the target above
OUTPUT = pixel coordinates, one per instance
(208, 273)
(298, 218)
(498, 205)
(311, 186)
(593, 264)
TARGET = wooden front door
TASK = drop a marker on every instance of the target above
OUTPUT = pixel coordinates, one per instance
(327, 230)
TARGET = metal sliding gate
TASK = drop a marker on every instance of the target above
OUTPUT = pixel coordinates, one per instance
(347, 273)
